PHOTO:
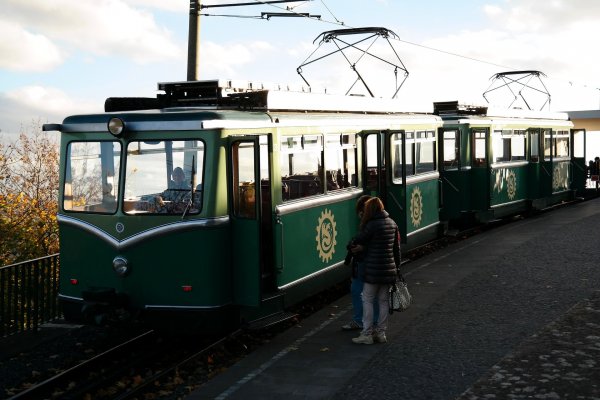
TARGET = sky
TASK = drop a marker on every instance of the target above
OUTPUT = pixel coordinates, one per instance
(65, 57)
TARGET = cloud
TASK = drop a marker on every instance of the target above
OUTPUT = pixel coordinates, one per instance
(102, 28)
(535, 16)
(25, 51)
(29, 103)
(226, 61)
(166, 5)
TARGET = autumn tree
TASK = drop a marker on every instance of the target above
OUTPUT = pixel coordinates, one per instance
(28, 196)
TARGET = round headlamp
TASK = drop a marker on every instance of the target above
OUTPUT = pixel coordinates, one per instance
(116, 126)
(121, 266)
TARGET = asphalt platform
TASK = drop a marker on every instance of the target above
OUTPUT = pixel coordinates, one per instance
(511, 313)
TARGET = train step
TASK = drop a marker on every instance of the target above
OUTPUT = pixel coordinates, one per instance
(271, 320)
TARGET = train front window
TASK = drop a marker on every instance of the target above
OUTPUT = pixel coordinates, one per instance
(164, 177)
(91, 177)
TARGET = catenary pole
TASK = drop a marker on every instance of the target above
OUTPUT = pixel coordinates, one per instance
(194, 41)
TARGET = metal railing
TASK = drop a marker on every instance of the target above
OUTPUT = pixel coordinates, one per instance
(28, 294)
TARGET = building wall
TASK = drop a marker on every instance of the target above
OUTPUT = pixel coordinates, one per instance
(587, 124)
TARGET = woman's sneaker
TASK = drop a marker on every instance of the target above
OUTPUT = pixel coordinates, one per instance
(352, 326)
(379, 337)
(363, 339)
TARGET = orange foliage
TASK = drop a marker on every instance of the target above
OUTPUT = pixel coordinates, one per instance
(28, 197)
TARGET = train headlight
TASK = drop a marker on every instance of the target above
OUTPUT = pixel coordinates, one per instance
(121, 266)
(116, 126)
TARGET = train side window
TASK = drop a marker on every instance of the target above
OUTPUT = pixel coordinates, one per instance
(244, 180)
(501, 150)
(371, 158)
(548, 153)
(425, 156)
(579, 143)
(517, 146)
(561, 143)
(479, 148)
(450, 140)
(301, 167)
(396, 153)
(409, 154)
(92, 177)
(534, 138)
(340, 161)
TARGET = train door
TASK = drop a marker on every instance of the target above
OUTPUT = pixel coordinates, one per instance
(481, 170)
(451, 198)
(578, 163)
(250, 191)
(374, 164)
(533, 155)
(380, 150)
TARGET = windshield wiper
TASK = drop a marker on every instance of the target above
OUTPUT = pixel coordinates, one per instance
(193, 188)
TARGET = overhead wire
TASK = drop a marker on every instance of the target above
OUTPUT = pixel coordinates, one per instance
(341, 23)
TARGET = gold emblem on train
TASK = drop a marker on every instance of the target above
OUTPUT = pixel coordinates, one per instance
(416, 207)
(326, 234)
(511, 185)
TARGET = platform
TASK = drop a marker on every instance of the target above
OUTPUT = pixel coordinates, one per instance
(494, 316)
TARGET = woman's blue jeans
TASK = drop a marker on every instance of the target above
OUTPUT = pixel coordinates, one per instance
(356, 288)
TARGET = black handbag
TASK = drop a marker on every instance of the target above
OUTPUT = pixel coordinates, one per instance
(400, 298)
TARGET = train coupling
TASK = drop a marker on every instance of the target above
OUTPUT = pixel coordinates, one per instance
(105, 306)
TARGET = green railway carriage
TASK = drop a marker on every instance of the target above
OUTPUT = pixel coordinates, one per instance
(495, 163)
(263, 214)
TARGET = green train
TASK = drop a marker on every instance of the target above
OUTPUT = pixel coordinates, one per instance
(217, 205)
(497, 163)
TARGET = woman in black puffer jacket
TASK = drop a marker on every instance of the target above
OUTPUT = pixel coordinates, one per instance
(379, 240)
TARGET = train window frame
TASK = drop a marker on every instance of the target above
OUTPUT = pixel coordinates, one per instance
(409, 153)
(548, 148)
(397, 156)
(296, 186)
(171, 201)
(557, 144)
(518, 145)
(562, 144)
(534, 145)
(452, 162)
(501, 145)
(425, 142)
(108, 189)
(244, 190)
(479, 147)
(343, 149)
(579, 143)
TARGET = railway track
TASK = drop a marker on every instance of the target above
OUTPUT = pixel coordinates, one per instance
(76, 380)
(150, 363)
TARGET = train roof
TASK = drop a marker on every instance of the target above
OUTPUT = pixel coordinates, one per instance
(245, 95)
(217, 104)
(193, 118)
(458, 110)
